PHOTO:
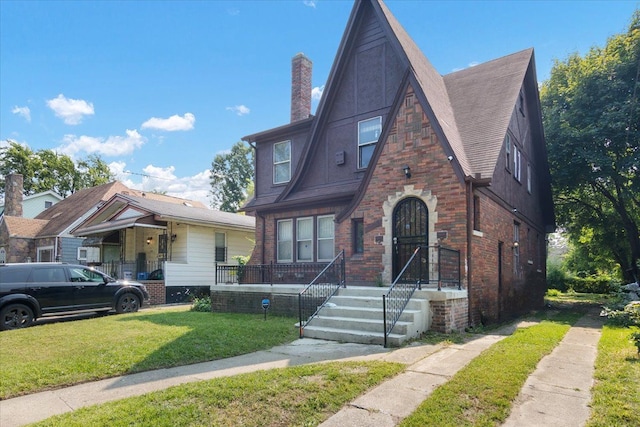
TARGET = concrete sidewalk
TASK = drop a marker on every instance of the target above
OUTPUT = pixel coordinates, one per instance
(427, 367)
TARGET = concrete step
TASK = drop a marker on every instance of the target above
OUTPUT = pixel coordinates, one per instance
(365, 313)
(354, 336)
(353, 323)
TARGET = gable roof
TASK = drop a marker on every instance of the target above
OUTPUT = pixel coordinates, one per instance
(470, 110)
(122, 211)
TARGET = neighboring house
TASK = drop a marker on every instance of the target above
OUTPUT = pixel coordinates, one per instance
(142, 238)
(399, 156)
(48, 237)
(36, 203)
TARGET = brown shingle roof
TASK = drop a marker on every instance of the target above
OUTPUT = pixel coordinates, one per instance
(24, 227)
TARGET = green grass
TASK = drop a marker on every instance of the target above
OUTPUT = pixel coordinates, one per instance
(574, 299)
(66, 353)
(616, 394)
(298, 396)
(481, 393)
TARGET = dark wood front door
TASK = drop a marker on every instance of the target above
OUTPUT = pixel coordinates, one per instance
(410, 230)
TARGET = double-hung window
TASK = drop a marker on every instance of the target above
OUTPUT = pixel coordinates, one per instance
(281, 162)
(221, 247)
(285, 241)
(507, 151)
(325, 238)
(304, 237)
(368, 133)
(516, 163)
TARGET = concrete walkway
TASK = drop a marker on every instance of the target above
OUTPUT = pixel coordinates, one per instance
(427, 367)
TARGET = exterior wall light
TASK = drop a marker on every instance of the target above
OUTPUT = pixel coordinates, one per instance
(149, 240)
(407, 171)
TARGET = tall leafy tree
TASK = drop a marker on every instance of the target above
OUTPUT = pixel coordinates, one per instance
(231, 177)
(591, 114)
(45, 170)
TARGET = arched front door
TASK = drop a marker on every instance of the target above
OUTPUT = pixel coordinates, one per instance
(410, 230)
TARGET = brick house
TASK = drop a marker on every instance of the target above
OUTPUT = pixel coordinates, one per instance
(399, 156)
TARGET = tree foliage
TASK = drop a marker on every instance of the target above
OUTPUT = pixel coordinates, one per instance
(45, 170)
(232, 177)
(591, 114)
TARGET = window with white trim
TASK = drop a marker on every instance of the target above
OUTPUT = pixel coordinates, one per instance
(516, 163)
(281, 162)
(221, 247)
(304, 239)
(507, 150)
(368, 133)
(285, 241)
(529, 178)
(326, 231)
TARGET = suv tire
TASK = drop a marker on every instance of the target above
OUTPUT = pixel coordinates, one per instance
(15, 316)
(128, 303)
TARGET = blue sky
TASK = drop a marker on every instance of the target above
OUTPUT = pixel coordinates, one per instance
(158, 88)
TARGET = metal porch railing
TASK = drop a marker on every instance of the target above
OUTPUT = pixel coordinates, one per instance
(269, 274)
(414, 275)
(316, 294)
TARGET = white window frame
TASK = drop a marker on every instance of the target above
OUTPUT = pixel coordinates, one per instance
(278, 241)
(326, 238)
(42, 249)
(307, 239)
(277, 163)
(529, 178)
(507, 149)
(368, 142)
(516, 163)
(224, 247)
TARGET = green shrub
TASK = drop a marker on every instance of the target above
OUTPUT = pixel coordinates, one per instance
(556, 278)
(592, 284)
(627, 317)
(553, 293)
(201, 304)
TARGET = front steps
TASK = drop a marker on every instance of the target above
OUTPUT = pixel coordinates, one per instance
(355, 315)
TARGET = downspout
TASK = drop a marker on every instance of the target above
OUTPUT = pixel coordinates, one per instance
(469, 189)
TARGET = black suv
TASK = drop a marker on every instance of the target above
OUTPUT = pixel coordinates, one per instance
(32, 290)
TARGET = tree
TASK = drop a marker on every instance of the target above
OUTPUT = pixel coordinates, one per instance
(591, 115)
(231, 177)
(45, 170)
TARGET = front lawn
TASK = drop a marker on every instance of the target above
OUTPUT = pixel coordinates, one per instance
(66, 353)
(297, 396)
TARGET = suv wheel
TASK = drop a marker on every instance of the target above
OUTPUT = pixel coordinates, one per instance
(128, 303)
(15, 316)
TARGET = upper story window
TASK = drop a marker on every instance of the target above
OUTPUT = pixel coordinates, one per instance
(368, 133)
(529, 178)
(516, 163)
(221, 247)
(507, 151)
(48, 204)
(281, 162)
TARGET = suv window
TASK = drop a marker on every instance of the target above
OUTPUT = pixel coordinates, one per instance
(48, 275)
(13, 275)
(79, 274)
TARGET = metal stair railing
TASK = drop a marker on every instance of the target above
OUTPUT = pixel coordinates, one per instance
(397, 297)
(316, 294)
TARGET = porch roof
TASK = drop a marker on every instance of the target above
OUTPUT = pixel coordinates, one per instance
(107, 227)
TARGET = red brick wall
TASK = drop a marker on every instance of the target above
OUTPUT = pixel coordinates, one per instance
(449, 315)
(157, 292)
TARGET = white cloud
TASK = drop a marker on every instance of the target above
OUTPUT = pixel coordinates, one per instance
(240, 110)
(163, 179)
(173, 123)
(316, 92)
(25, 112)
(111, 146)
(310, 3)
(233, 11)
(71, 111)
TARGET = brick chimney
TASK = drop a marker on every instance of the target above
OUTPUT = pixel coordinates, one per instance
(300, 87)
(13, 187)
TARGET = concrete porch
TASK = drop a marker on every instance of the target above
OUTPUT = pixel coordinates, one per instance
(354, 314)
